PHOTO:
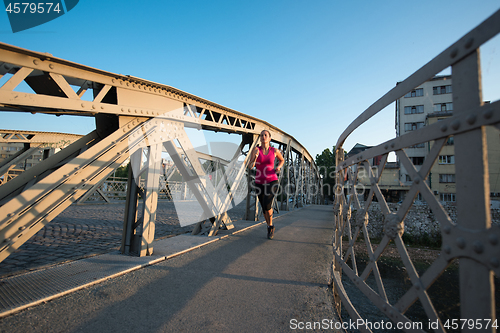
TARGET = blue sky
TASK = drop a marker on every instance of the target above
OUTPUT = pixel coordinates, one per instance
(307, 67)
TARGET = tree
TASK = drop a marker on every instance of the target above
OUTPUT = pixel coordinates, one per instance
(122, 172)
(326, 164)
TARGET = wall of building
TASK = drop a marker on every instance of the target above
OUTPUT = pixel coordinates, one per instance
(427, 100)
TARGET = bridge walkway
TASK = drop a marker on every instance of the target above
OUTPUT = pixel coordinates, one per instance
(237, 281)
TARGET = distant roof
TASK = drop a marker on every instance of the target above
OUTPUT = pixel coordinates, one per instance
(358, 147)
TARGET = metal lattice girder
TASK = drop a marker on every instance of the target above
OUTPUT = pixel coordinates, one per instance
(9, 163)
(472, 240)
(233, 177)
(41, 139)
(33, 199)
(62, 87)
(52, 80)
(188, 164)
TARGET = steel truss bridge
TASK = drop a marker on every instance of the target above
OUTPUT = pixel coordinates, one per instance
(135, 119)
(142, 118)
(472, 240)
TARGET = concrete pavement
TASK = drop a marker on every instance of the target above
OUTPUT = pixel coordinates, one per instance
(87, 230)
(243, 282)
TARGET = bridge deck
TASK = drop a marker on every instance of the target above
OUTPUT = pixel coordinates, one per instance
(242, 281)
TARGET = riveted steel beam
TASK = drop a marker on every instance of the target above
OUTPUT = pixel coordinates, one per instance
(129, 114)
(49, 191)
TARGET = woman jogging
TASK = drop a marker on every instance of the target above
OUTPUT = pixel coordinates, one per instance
(266, 178)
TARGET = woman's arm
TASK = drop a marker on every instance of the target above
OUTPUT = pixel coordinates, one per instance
(280, 159)
(253, 158)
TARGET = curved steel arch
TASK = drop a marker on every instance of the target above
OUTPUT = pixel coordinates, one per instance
(472, 239)
(133, 116)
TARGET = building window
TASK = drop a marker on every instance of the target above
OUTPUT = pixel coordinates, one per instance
(447, 197)
(450, 141)
(446, 178)
(413, 126)
(446, 159)
(417, 160)
(441, 90)
(420, 145)
(414, 109)
(408, 178)
(443, 107)
(415, 93)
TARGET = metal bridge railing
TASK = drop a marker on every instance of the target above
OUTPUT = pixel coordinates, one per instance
(115, 189)
(472, 242)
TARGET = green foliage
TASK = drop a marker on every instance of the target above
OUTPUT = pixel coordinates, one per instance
(122, 172)
(326, 164)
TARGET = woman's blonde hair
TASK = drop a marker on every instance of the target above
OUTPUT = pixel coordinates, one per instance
(266, 131)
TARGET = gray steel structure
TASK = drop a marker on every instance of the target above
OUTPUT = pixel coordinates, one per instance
(134, 117)
(472, 240)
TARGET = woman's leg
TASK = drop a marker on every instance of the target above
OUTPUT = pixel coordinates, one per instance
(268, 215)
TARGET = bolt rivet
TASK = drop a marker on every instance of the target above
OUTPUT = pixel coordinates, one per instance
(22, 228)
(461, 242)
(454, 53)
(386, 147)
(444, 128)
(471, 119)
(478, 247)
(392, 145)
(493, 239)
(469, 43)
(447, 229)
(35, 62)
(494, 262)
(447, 249)
(51, 66)
(417, 181)
(455, 124)
(488, 114)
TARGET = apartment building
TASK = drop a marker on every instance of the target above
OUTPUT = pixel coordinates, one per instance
(412, 110)
(442, 176)
(429, 103)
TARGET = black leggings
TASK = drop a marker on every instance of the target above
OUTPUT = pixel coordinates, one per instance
(266, 194)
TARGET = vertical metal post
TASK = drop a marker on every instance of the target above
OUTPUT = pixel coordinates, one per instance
(339, 216)
(252, 209)
(472, 183)
(152, 186)
(129, 238)
(288, 166)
